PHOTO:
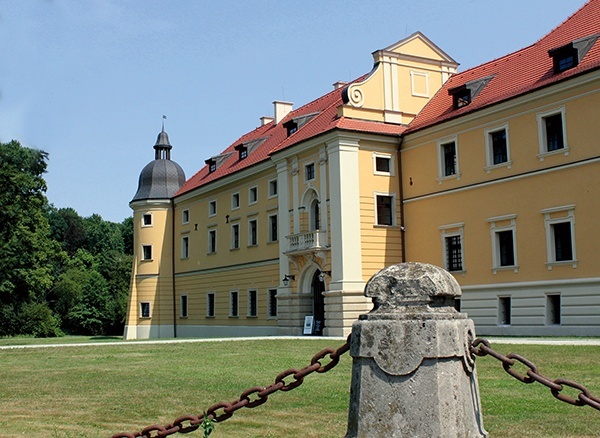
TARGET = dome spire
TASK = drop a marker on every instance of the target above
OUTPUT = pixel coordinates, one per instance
(162, 147)
(161, 178)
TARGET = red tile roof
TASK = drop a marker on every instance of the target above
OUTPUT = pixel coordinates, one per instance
(518, 73)
(277, 139)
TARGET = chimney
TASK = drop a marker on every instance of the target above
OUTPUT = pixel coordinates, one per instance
(265, 120)
(282, 109)
(339, 84)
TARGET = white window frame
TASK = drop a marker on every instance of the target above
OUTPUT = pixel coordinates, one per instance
(314, 172)
(552, 217)
(390, 158)
(271, 299)
(414, 73)
(209, 248)
(185, 216)
(234, 297)
(250, 243)
(542, 138)
(183, 298)
(249, 313)
(185, 246)
(142, 303)
(499, 224)
(233, 242)
(489, 148)
(252, 195)
(144, 216)
(441, 164)
(235, 201)
(273, 188)
(393, 207)
(212, 208)
(143, 255)
(210, 314)
(269, 234)
(452, 230)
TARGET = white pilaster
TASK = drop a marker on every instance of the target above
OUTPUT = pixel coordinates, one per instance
(345, 214)
(295, 194)
(323, 188)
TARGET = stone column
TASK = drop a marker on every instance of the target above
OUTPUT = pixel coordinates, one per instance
(413, 374)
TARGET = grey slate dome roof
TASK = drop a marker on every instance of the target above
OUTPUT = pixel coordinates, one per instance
(161, 178)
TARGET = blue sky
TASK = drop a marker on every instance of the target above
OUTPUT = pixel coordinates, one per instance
(89, 80)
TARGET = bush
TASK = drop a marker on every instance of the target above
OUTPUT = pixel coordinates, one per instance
(38, 320)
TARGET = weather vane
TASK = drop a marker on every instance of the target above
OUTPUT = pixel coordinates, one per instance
(163, 122)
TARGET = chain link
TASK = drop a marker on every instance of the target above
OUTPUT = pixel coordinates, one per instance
(223, 410)
(481, 347)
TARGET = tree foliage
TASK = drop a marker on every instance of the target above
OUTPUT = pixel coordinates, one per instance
(59, 272)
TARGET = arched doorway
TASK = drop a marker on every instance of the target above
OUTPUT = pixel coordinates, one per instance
(317, 288)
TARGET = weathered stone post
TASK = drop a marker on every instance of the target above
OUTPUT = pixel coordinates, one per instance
(412, 373)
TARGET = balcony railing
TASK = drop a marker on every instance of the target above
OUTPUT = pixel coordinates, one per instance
(312, 240)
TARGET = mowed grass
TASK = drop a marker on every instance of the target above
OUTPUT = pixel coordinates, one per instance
(96, 391)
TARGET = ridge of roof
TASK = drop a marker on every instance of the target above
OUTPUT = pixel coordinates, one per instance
(517, 73)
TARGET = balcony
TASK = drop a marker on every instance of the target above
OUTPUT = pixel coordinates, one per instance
(310, 241)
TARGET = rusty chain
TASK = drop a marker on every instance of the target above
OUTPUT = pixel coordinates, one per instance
(481, 347)
(223, 410)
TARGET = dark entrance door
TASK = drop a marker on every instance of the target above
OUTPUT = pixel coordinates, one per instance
(318, 287)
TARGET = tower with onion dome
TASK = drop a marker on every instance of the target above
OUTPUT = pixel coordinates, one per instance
(150, 309)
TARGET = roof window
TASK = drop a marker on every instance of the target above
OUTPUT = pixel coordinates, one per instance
(464, 94)
(570, 55)
(242, 151)
(213, 163)
(461, 97)
(298, 122)
(291, 126)
(248, 147)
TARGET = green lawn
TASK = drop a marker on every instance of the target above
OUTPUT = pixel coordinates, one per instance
(96, 391)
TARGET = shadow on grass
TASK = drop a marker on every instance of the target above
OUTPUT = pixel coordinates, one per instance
(106, 338)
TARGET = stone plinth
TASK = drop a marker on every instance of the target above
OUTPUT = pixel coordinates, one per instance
(413, 374)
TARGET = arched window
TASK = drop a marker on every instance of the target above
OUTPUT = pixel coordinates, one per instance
(314, 222)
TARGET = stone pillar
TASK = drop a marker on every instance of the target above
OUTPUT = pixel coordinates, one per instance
(412, 373)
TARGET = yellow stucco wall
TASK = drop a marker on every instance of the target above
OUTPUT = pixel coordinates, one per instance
(525, 188)
(380, 244)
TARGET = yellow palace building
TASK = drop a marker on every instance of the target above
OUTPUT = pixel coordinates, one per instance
(491, 173)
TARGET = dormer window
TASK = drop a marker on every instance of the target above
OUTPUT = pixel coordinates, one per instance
(564, 58)
(463, 95)
(570, 55)
(248, 147)
(298, 122)
(291, 127)
(212, 165)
